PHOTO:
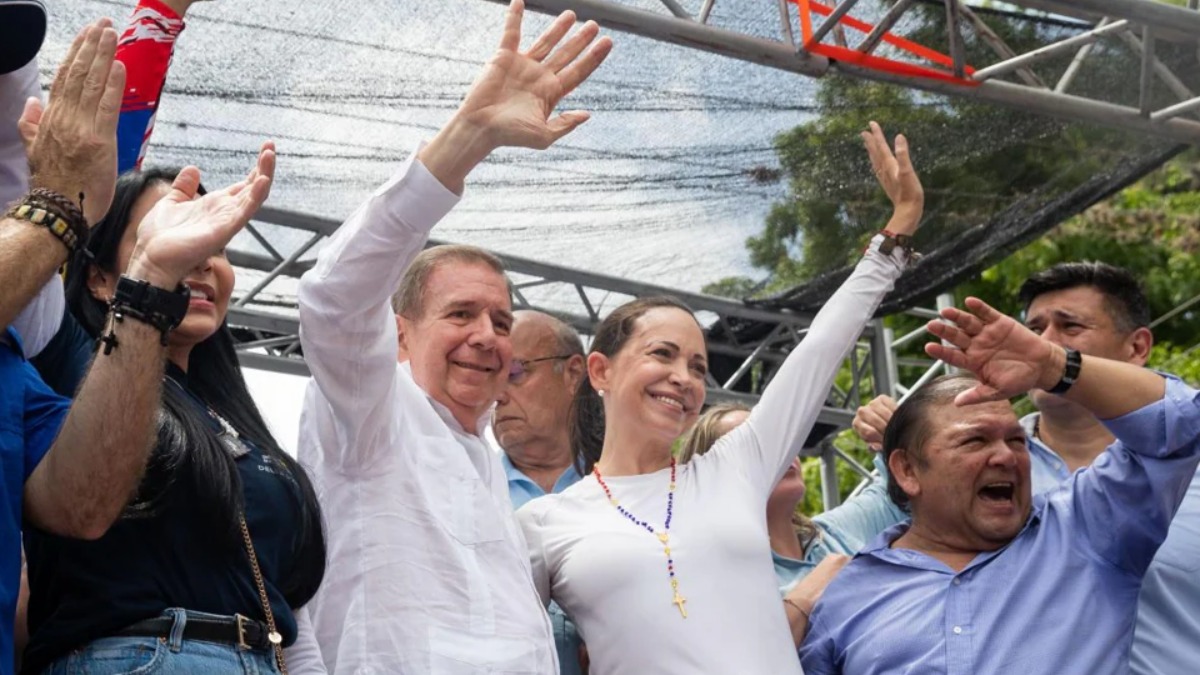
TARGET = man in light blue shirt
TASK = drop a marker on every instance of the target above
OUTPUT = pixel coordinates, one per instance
(531, 427)
(986, 578)
(1101, 310)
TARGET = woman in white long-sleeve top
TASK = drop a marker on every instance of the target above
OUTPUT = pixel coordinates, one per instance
(668, 569)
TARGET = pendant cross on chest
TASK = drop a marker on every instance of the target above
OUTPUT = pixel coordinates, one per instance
(679, 602)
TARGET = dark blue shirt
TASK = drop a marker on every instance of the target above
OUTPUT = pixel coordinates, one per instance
(81, 591)
(30, 418)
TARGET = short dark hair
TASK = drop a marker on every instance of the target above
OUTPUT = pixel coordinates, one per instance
(909, 428)
(1125, 300)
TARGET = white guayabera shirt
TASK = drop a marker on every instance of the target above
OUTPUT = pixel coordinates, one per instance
(428, 572)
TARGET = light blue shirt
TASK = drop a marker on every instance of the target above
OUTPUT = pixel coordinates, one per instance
(1167, 638)
(1060, 599)
(844, 529)
(521, 489)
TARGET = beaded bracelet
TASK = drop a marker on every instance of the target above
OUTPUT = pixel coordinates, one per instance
(60, 215)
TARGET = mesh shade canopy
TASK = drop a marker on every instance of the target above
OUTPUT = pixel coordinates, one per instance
(676, 169)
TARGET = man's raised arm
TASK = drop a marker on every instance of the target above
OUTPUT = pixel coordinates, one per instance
(1124, 502)
(346, 324)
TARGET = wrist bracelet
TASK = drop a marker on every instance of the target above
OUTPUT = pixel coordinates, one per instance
(60, 215)
(149, 304)
(1070, 372)
(892, 241)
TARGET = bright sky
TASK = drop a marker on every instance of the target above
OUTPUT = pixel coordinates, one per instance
(280, 398)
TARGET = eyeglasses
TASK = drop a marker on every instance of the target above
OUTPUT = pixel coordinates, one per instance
(518, 370)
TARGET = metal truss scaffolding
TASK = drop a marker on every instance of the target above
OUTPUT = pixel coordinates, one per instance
(741, 362)
(826, 45)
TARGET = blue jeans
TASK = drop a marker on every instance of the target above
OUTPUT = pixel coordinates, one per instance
(170, 655)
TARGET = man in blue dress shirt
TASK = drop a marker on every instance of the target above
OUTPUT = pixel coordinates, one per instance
(531, 426)
(1102, 311)
(986, 578)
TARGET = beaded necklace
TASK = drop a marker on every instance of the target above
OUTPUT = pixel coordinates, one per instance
(664, 537)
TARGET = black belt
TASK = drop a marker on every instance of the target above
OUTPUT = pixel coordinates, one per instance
(238, 630)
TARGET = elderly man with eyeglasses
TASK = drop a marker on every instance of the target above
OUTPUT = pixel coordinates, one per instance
(531, 425)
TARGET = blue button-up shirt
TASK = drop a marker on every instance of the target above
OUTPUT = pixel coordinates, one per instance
(521, 489)
(1059, 599)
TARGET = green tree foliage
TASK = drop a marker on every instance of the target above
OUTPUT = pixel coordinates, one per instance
(974, 160)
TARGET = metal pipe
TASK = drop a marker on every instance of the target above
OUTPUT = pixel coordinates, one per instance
(1176, 110)
(676, 9)
(1164, 73)
(954, 36)
(831, 21)
(1044, 102)
(1167, 20)
(1146, 86)
(885, 24)
(1076, 64)
(1049, 51)
(785, 22)
(830, 489)
(998, 45)
(279, 269)
(706, 10)
(925, 378)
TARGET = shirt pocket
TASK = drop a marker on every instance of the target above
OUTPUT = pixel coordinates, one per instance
(458, 652)
(456, 497)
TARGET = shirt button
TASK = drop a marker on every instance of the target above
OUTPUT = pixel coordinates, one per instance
(957, 581)
(958, 630)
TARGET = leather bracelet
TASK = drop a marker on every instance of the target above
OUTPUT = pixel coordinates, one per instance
(892, 241)
(137, 299)
(1070, 372)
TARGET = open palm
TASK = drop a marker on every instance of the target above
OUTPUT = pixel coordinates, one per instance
(1008, 358)
(183, 229)
(514, 97)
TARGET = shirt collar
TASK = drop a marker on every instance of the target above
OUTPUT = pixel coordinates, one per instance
(515, 475)
(1029, 424)
(881, 546)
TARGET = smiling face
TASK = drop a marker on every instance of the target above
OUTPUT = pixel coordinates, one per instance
(211, 282)
(969, 485)
(459, 347)
(655, 383)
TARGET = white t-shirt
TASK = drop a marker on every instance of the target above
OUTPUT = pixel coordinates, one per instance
(610, 575)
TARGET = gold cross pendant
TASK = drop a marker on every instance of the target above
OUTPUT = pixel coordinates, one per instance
(679, 601)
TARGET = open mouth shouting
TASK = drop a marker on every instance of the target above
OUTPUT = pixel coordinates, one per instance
(1000, 493)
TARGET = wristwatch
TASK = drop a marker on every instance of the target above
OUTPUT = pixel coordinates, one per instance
(1070, 372)
(149, 304)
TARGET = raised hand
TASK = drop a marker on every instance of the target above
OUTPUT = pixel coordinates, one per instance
(183, 230)
(1008, 358)
(514, 97)
(899, 180)
(512, 102)
(872, 419)
(72, 143)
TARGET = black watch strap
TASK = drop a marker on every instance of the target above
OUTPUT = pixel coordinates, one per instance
(1070, 372)
(149, 304)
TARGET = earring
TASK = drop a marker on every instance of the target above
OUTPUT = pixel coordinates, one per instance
(600, 392)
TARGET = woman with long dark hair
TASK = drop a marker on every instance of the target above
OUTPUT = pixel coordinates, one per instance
(223, 539)
(667, 569)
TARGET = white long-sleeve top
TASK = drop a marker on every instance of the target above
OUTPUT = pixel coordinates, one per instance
(610, 575)
(428, 572)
